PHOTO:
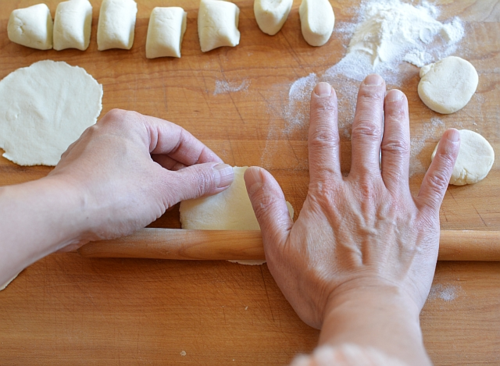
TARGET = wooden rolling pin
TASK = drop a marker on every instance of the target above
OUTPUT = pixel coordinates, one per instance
(455, 245)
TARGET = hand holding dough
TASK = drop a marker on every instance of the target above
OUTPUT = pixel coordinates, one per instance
(218, 24)
(31, 27)
(317, 20)
(271, 14)
(116, 24)
(474, 161)
(72, 25)
(447, 85)
(165, 32)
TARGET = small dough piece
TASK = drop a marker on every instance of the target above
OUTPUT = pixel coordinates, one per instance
(271, 14)
(2, 287)
(317, 20)
(72, 25)
(165, 32)
(474, 161)
(447, 86)
(46, 107)
(229, 210)
(116, 24)
(218, 24)
(31, 27)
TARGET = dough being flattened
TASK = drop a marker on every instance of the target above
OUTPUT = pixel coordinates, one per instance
(448, 85)
(474, 161)
(228, 210)
(44, 108)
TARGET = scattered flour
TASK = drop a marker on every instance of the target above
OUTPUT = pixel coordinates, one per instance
(224, 87)
(183, 353)
(446, 293)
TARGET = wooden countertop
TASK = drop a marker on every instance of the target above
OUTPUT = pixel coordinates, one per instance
(66, 309)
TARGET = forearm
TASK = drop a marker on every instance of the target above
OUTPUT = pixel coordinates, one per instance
(384, 320)
(36, 219)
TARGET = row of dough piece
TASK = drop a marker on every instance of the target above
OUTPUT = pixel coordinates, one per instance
(217, 25)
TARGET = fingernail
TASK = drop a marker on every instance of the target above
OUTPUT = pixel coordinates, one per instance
(454, 135)
(394, 96)
(373, 79)
(226, 174)
(253, 179)
(323, 90)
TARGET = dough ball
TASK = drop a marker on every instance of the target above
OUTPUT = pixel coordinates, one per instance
(31, 27)
(72, 25)
(271, 14)
(229, 210)
(218, 24)
(116, 24)
(165, 32)
(447, 85)
(46, 107)
(474, 161)
(317, 20)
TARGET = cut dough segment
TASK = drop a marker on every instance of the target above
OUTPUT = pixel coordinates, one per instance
(447, 86)
(116, 24)
(271, 14)
(229, 210)
(474, 161)
(31, 27)
(72, 25)
(165, 32)
(218, 24)
(317, 20)
(46, 107)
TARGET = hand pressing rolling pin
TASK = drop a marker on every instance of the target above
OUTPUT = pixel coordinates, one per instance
(358, 263)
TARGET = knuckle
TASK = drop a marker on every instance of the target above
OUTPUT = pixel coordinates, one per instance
(370, 95)
(397, 146)
(367, 130)
(324, 137)
(438, 182)
(204, 183)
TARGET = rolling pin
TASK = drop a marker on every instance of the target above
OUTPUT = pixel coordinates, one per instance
(455, 245)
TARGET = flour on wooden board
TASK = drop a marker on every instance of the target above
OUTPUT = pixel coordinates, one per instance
(224, 87)
(444, 292)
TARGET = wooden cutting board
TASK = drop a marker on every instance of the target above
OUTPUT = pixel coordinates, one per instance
(69, 310)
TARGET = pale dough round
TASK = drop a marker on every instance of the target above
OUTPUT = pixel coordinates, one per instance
(72, 25)
(31, 27)
(218, 24)
(316, 20)
(447, 85)
(165, 32)
(116, 25)
(474, 161)
(44, 108)
(271, 14)
(229, 210)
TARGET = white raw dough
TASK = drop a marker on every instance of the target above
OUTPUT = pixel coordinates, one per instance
(271, 14)
(72, 25)
(228, 210)
(116, 24)
(2, 287)
(44, 108)
(317, 20)
(165, 32)
(474, 161)
(31, 27)
(447, 85)
(218, 24)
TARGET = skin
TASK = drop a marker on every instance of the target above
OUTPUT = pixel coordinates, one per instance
(359, 261)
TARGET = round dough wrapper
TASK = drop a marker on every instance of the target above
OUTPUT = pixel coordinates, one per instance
(72, 25)
(218, 24)
(44, 108)
(316, 20)
(229, 210)
(448, 85)
(474, 161)
(31, 27)
(271, 14)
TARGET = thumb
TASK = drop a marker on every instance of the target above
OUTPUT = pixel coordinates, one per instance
(268, 202)
(198, 180)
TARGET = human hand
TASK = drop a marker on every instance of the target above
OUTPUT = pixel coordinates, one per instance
(128, 169)
(362, 236)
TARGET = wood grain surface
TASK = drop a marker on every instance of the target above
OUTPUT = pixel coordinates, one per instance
(69, 310)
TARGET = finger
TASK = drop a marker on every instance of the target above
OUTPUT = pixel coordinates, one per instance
(324, 152)
(396, 141)
(197, 181)
(367, 127)
(438, 175)
(268, 202)
(167, 162)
